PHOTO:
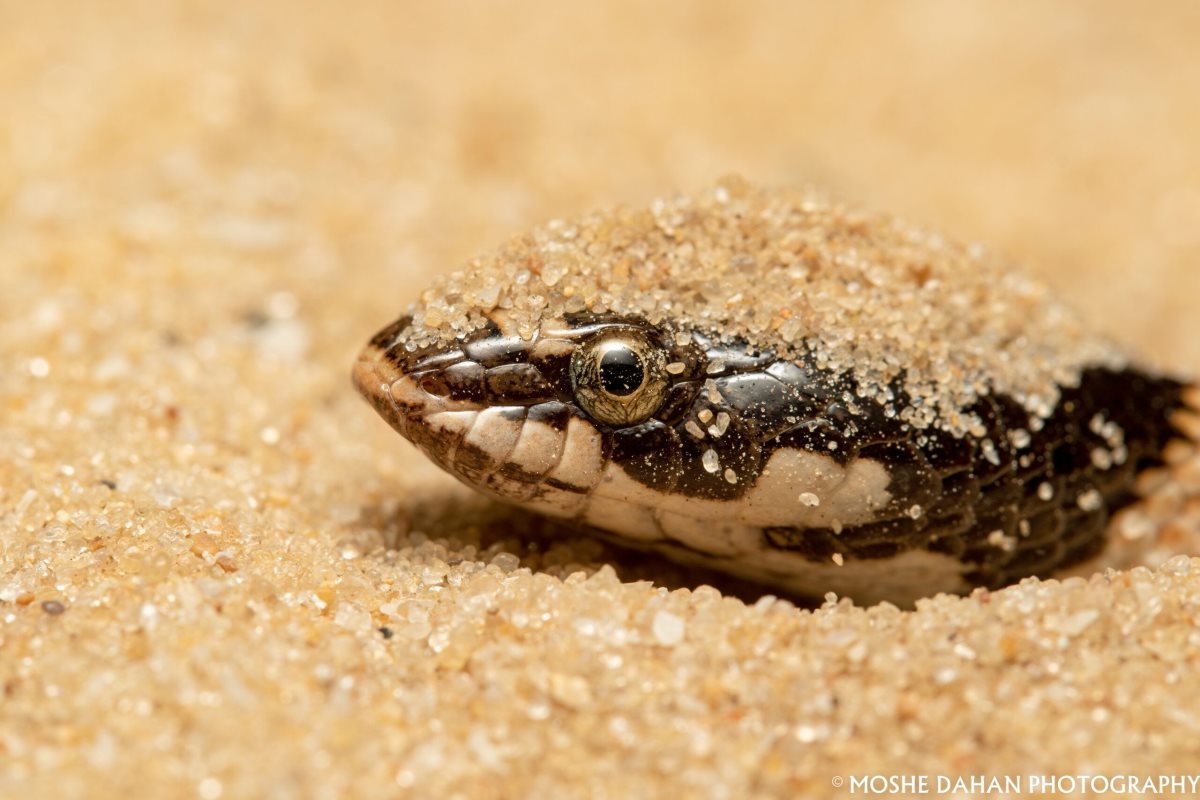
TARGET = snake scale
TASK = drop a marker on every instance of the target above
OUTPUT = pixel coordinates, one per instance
(771, 384)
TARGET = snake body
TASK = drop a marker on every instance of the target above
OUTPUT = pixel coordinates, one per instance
(767, 459)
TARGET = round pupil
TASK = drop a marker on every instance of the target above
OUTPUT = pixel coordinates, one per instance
(621, 371)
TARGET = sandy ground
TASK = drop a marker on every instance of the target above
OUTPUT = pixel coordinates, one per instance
(222, 576)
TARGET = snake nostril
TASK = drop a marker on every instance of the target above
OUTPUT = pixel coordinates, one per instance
(435, 384)
(460, 382)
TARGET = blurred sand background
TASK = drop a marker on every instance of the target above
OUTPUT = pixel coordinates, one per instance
(206, 209)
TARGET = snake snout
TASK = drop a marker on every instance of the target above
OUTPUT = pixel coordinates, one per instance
(373, 379)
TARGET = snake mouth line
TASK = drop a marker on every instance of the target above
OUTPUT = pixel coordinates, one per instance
(373, 378)
(399, 398)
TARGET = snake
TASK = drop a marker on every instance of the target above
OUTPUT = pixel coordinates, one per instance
(781, 387)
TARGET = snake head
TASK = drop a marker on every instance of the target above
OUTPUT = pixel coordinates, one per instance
(535, 419)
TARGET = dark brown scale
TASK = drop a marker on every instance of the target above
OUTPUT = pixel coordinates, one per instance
(994, 460)
(516, 384)
(767, 402)
(680, 398)
(914, 481)
(651, 453)
(555, 371)
(738, 449)
(389, 335)
(495, 351)
(421, 361)
(463, 381)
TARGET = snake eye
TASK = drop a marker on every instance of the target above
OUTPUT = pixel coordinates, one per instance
(621, 371)
(619, 379)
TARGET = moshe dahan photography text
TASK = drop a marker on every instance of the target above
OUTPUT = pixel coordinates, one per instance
(1136, 785)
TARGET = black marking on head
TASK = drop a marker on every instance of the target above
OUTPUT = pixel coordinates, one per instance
(563, 486)
(493, 351)
(517, 383)
(737, 450)
(815, 544)
(387, 337)
(462, 381)
(679, 401)
(649, 453)
(555, 414)
(439, 359)
(731, 356)
(770, 404)
(914, 485)
(472, 461)
(514, 413)
(478, 464)
(554, 365)
(819, 435)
